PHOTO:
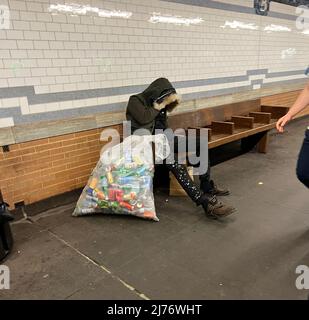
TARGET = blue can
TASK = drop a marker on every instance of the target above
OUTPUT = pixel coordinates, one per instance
(91, 198)
(126, 180)
(140, 171)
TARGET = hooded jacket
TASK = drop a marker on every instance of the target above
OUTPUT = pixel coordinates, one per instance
(143, 108)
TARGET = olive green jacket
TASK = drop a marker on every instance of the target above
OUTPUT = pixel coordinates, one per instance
(142, 109)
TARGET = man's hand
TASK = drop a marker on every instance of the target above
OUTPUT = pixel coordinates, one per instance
(282, 122)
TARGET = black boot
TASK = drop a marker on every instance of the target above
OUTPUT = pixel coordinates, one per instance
(215, 209)
(212, 207)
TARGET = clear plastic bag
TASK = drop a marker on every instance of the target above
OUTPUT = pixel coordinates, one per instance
(121, 182)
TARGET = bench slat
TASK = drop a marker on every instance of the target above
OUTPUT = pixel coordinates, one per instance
(261, 117)
(243, 122)
(237, 136)
(276, 111)
(222, 127)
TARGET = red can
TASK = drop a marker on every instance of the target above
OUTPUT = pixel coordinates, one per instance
(126, 205)
(112, 194)
(119, 195)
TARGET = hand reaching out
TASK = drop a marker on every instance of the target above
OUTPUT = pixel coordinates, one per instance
(282, 122)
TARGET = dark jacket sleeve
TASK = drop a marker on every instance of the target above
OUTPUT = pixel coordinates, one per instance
(141, 113)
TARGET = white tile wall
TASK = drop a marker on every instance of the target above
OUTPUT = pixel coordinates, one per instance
(59, 52)
(9, 102)
(6, 122)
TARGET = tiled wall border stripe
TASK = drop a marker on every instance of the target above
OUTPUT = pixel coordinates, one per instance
(33, 98)
(232, 7)
(284, 73)
(18, 118)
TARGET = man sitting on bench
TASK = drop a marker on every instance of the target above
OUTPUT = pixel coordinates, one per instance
(148, 110)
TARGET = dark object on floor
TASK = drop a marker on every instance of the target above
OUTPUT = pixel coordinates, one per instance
(6, 238)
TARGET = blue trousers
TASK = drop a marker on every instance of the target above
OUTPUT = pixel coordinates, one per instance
(302, 170)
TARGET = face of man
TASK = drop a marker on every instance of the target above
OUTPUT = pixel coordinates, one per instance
(170, 107)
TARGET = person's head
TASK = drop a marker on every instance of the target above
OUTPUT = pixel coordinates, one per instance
(161, 94)
(169, 100)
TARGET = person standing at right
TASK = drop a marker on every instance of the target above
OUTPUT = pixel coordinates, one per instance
(300, 104)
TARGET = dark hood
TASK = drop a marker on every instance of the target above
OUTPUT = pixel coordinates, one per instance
(158, 99)
(156, 89)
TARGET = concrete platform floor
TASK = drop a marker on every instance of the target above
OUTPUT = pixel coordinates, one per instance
(251, 255)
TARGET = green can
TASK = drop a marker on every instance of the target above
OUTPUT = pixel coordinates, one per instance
(113, 204)
(103, 204)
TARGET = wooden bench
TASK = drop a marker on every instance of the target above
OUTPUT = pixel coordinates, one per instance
(247, 121)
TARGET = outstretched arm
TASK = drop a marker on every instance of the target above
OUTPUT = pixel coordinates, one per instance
(300, 104)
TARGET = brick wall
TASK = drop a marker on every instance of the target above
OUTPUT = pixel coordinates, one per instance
(39, 169)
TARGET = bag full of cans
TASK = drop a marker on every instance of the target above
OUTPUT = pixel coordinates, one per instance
(121, 182)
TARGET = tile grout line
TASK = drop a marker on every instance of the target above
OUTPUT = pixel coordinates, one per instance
(124, 283)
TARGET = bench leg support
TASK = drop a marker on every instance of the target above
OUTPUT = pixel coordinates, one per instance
(263, 143)
(260, 140)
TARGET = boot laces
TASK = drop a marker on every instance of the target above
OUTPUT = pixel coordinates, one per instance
(215, 202)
